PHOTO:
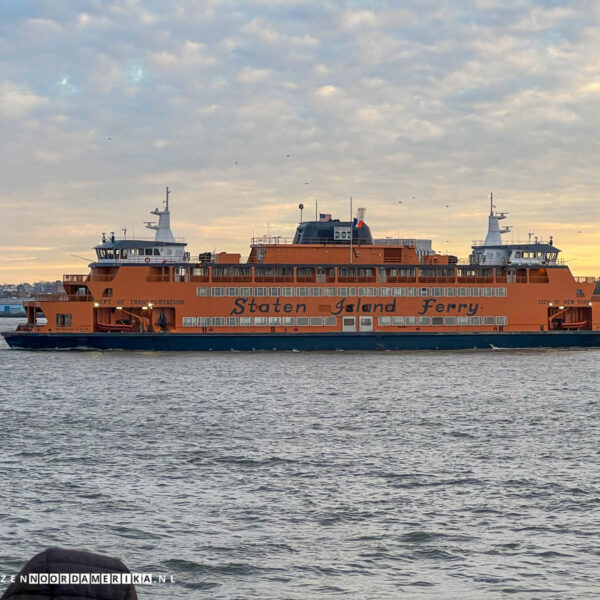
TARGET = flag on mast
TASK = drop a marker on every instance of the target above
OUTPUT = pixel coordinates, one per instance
(324, 217)
(358, 223)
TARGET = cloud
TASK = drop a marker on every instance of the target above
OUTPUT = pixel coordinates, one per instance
(17, 101)
(251, 75)
(236, 106)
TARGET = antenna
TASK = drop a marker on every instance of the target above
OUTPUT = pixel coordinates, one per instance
(167, 200)
(301, 207)
(124, 230)
(491, 204)
(530, 235)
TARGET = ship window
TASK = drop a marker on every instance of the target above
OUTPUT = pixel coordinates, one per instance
(450, 292)
(436, 321)
(202, 291)
(409, 291)
(246, 291)
(489, 320)
(580, 293)
(329, 291)
(488, 291)
(284, 271)
(200, 271)
(475, 291)
(148, 251)
(260, 321)
(436, 292)
(475, 320)
(347, 271)
(384, 321)
(274, 291)
(397, 291)
(305, 271)
(203, 321)
(343, 291)
(263, 272)
(231, 291)
(302, 321)
(287, 291)
(316, 321)
(424, 320)
(348, 321)
(315, 291)
(450, 320)
(64, 320)
(232, 321)
(330, 321)
(289, 321)
(188, 321)
(501, 291)
(169, 252)
(463, 320)
(398, 321)
(501, 321)
(301, 291)
(217, 291)
(260, 291)
(411, 320)
(245, 321)
(107, 293)
(156, 252)
(384, 291)
(218, 321)
(274, 321)
(463, 291)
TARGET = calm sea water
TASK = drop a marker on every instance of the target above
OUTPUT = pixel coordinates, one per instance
(301, 475)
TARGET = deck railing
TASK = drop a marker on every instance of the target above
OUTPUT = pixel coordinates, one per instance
(62, 298)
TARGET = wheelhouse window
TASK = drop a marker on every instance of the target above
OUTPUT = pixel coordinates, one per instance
(107, 293)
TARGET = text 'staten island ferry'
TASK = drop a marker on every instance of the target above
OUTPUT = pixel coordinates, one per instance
(332, 288)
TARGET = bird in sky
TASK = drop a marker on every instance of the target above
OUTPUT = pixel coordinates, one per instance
(306, 182)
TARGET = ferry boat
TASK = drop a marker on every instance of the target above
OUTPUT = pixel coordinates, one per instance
(333, 287)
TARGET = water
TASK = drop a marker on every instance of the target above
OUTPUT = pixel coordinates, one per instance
(300, 475)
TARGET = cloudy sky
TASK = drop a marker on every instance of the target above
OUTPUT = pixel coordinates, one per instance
(246, 108)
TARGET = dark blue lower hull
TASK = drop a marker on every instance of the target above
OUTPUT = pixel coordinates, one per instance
(300, 341)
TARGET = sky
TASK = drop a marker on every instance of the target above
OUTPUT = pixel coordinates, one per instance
(418, 109)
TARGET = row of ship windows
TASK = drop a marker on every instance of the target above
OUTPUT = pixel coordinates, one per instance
(351, 291)
(332, 321)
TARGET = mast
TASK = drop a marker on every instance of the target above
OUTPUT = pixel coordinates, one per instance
(494, 234)
(163, 227)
